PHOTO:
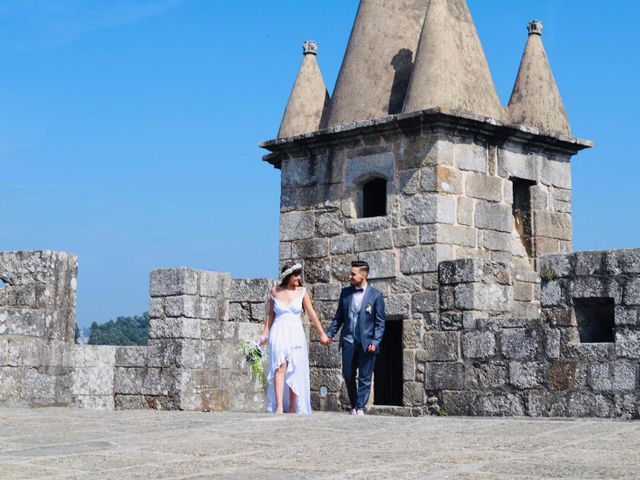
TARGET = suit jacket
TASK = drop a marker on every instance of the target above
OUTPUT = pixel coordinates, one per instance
(370, 318)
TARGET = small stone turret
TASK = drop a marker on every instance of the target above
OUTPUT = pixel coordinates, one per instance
(378, 62)
(536, 100)
(451, 69)
(309, 98)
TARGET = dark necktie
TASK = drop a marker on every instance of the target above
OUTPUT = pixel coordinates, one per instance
(358, 289)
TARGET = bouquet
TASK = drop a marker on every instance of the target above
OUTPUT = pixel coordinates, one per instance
(253, 355)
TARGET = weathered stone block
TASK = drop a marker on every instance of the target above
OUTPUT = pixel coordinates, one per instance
(420, 209)
(515, 164)
(374, 224)
(628, 343)
(612, 376)
(451, 321)
(412, 394)
(383, 264)
(424, 302)
(498, 241)
(484, 376)
(476, 296)
(456, 235)
(485, 187)
(22, 321)
(253, 290)
(502, 404)
(525, 375)
(552, 294)
(342, 244)
(213, 284)
(632, 292)
(478, 345)
(409, 365)
(448, 180)
(173, 281)
(181, 306)
(330, 224)
(297, 226)
(365, 242)
(519, 343)
(405, 237)
(181, 327)
(397, 305)
(447, 209)
(460, 271)
(444, 376)
(493, 216)
(328, 377)
(627, 316)
(313, 248)
(552, 225)
(466, 207)
(469, 156)
(418, 260)
(131, 356)
(556, 173)
(441, 347)
(326, 291)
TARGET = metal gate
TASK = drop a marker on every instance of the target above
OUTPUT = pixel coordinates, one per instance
(387, 387)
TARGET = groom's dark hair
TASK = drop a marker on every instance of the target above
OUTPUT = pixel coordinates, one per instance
(362, 265)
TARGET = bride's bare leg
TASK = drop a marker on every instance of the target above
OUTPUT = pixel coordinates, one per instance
(278, 384)
(293, 401)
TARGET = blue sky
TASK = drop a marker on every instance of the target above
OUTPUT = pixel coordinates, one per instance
(129, 129)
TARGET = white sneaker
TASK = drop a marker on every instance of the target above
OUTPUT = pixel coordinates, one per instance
(360, 413)
(353, 412)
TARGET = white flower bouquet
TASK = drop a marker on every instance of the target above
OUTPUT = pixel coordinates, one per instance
(253, 356)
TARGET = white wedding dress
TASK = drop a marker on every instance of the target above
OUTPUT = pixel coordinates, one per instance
(288, 342)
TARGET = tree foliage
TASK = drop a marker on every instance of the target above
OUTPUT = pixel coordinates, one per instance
(123, 331)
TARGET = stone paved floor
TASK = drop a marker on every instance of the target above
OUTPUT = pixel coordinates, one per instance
(78, 444)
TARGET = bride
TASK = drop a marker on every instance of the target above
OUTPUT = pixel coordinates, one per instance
(288, 378)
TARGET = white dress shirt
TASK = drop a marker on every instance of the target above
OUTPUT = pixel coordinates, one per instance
(358, 297)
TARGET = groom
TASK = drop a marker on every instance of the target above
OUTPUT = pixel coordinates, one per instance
(360, 314)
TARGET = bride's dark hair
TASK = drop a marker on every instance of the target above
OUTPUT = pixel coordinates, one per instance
(285, 267)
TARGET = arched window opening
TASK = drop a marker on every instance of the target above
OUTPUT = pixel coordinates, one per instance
(374, 198)
(522, 212)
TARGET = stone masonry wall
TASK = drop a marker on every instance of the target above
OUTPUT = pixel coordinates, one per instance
(37, 326)
(194, 360)
(494, 363)
(449, 196)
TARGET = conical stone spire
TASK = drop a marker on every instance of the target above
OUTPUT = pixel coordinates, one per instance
(536, 100)
(451, 69)
(309, 98)
(378, 63)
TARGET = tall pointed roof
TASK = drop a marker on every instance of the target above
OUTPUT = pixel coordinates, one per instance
(536, 100)
(309, 98)
(451, 69)
(378, 63)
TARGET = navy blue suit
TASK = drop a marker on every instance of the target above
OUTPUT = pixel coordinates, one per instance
(355, 355)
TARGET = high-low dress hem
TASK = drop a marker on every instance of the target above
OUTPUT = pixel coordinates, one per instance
(288, 343)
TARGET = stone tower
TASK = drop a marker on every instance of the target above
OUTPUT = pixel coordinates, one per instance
(417, 165)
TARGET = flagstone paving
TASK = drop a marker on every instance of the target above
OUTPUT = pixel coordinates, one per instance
(58, 443)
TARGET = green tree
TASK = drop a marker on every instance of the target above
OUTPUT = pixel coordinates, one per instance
(123, 331)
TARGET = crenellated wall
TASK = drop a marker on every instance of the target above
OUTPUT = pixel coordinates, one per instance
(194, 359)
(491, 362)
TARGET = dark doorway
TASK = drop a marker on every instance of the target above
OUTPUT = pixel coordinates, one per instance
(387, 389)
(374, 198)
(522, 212)
(595, 317)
